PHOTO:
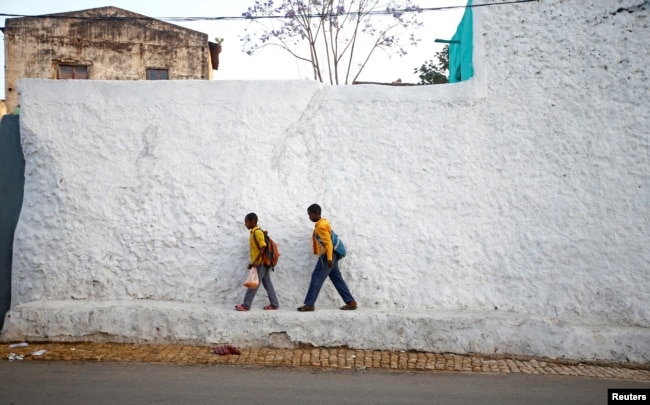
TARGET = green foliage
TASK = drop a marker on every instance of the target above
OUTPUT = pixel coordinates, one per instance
(435, 72)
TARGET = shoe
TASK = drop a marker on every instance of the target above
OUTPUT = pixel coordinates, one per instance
(306, 308)
(241, 308)
(350, 306)
(226, 350)
(221, 350)
(270, 308)
(233, 350)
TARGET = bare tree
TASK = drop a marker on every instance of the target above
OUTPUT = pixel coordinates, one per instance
(337, 37)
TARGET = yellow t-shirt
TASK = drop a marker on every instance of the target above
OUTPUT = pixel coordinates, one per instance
(257, 235)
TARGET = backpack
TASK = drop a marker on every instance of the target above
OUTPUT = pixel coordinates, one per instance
(337, 244)
(272, 255)
(339, 247)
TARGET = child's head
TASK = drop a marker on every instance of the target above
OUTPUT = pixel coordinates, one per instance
(314, 212)
(314, 208)
(250, 220)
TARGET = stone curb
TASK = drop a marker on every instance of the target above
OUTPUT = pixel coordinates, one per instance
(325, 358)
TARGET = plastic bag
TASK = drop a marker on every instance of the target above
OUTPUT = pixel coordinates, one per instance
(252, 281)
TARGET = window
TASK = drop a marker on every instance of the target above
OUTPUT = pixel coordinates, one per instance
(157, 74)
(73, 72)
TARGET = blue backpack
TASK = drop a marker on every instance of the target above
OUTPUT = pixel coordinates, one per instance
(339, 247)
(337, 243)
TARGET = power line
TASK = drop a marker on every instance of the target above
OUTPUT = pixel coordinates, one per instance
(251, 17)
(376, 12)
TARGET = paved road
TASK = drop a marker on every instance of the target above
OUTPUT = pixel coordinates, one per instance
(144, 383)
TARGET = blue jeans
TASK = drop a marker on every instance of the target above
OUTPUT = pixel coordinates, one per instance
(264, 274)
(320, 274)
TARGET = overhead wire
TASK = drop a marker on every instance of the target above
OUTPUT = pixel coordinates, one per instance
(244, 16)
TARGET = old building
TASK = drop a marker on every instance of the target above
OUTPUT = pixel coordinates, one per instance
(106, 43)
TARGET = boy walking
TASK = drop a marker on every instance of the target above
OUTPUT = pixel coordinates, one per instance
(257, 250)
(326, 265)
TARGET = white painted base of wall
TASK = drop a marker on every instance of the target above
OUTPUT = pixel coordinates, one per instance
(432, 331)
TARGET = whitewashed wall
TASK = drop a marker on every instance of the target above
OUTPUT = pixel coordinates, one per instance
(517, 200)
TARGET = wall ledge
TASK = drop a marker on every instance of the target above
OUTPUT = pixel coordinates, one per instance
(441, 331)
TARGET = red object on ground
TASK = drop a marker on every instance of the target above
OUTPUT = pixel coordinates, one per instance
(226, 349)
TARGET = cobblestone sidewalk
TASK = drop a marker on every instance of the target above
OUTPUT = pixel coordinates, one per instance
(327, 358)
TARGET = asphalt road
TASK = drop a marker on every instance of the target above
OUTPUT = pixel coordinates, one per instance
(31, 382)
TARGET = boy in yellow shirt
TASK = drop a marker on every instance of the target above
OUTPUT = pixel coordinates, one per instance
(327, 264)
(257, 250)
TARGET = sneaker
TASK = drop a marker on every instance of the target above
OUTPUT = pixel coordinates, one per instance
(306, 308)
(350, 306)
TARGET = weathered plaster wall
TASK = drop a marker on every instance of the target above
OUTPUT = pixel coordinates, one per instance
(114, 44)
(509, 213)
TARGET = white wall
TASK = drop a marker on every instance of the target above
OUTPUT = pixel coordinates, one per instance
(523, 193)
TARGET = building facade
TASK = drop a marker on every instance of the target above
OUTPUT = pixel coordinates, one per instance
(106, 43)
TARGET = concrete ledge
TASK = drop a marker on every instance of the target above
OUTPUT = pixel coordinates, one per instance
(440, 332)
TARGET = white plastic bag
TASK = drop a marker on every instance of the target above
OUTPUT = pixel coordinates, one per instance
(252, 281)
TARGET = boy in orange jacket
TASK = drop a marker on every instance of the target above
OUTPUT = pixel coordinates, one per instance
(327, 264)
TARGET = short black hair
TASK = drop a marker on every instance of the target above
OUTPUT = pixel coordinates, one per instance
(251, 217)
(315, 208)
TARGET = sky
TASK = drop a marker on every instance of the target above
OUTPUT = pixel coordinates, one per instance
(270, 64)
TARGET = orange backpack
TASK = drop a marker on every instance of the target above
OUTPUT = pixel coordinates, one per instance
(272, 255)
